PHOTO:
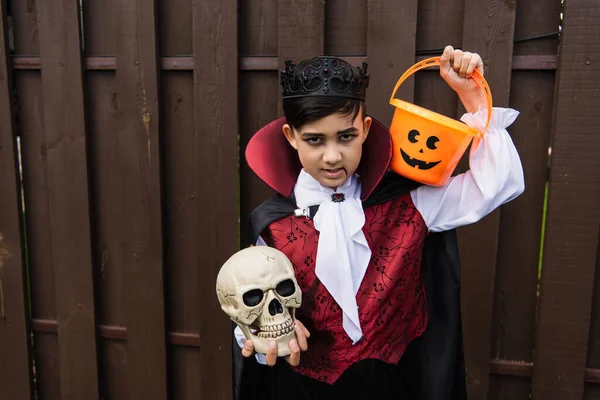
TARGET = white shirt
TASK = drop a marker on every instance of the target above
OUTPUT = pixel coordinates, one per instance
(495, 177)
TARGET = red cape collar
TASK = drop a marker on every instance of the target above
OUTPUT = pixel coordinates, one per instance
(276, 163)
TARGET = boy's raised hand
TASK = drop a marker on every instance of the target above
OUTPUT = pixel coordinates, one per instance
(456, 68)
(296, 346)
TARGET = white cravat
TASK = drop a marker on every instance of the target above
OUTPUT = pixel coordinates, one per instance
(343, 253)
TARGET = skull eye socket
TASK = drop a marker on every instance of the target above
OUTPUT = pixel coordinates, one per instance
(253, 297)
(286, 288)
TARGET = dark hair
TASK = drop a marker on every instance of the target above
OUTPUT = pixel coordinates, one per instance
(302, 110)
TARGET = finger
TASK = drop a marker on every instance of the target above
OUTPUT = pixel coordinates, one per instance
(446, 57)
(306, 332)
(301, 336)
(445, 60)
(474, 63)
(457, 57)
(248, 348)
(272, 354)
(294, 357)
(464, 64)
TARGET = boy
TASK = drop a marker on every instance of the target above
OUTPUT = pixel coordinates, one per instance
(380, 305)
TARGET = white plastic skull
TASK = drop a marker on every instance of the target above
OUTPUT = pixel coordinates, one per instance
(258, 290)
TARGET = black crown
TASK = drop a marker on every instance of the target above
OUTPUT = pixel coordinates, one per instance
(325, 76)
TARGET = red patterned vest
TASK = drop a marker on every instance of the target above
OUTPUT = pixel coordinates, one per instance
(391, 298)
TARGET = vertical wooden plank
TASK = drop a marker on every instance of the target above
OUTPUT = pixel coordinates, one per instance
(301, 31)
(216, 171)
(492, 38)
(181, 193)
(573, 214)
(37, 219)
(391, 31)
(515, 300)
(440, 23)
(138, 123)
(36, 199)
(547, 21)
(258, 27)
(105, 177)
(15, 365)
(25, 22)
(105, 180)
(175, 21)
(259, 93)
(181, 242)
(99, 29)
(65, 152)
(346, 27)
(102, 135)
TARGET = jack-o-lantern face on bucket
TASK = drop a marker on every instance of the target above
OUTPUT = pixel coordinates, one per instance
(422, 155)
(428, 145)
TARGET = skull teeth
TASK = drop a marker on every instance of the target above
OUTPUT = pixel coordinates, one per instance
(275, 331)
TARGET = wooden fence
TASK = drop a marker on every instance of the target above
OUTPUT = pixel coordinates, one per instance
(121, 126)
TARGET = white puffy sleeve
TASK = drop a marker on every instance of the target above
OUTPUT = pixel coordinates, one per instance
(495, 177)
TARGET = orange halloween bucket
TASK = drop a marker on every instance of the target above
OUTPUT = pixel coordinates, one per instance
(428, 145)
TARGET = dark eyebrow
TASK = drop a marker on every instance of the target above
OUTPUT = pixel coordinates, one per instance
(343, 132)
(349, 130)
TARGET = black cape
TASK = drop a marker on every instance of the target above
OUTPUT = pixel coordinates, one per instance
(433, 365)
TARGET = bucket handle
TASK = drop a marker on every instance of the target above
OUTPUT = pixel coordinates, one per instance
(433, 61)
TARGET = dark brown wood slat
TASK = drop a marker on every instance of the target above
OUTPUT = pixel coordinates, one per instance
(105, 171)
(388, 59)
(520, 231)
(36, 185)
(259, 93)
(301, 32)
(547, 21)
(37, 220)
(440, 23)
(181, 245)
(138, 123)
(346, 27)
(15, 367)
(215, 142)
(259, 96)
(65, 152)
(25, 23)
(571, 241)
(98, 30)
(258, 25)
(492, 38)
(515, 302)
(175, 30)
(181, 197)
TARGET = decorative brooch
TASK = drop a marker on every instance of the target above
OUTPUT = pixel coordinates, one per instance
(338, 197)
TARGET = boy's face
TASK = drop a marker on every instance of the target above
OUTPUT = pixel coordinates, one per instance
(331, 147)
